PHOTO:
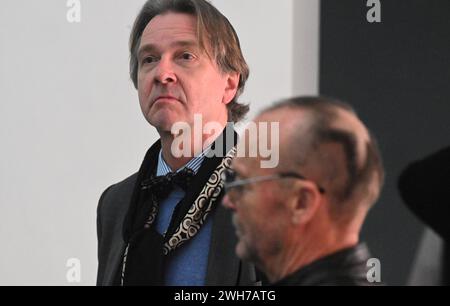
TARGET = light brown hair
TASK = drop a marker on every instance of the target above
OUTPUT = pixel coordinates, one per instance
(216, 36)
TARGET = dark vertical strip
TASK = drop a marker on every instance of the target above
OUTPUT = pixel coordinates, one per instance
(396, 73)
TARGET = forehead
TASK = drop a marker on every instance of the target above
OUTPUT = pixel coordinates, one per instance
(248, 161)
(170, 26)
(244, 166)
(288, 121)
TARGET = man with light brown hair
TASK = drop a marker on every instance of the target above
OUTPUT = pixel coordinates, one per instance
(164, 225)
(300, 221)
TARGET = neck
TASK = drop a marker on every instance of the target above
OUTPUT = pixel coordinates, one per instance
(188, 147)
(301, 251)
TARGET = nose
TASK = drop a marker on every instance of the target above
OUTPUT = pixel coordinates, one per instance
(228, 203)
(164, 72)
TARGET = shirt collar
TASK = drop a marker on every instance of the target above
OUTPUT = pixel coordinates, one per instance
(194, 164)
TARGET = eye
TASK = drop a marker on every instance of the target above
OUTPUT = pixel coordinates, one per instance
(239, 189)
(149, 59)
(187, 56)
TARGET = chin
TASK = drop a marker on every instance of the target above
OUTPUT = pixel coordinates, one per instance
(242, 251)
(162, 126)
(163, 123)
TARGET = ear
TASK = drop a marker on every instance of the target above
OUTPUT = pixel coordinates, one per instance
(231, 88)
(304, 205)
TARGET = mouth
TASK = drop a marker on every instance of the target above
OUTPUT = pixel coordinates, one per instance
(165, 99)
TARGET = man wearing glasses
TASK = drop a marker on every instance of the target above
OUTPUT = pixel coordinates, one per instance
(300, 222)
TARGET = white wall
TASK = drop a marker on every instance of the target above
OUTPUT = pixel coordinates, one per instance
(70, 122)
(306, 47)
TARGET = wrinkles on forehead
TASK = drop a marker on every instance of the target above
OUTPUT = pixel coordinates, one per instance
(185, 29)
(170, 25)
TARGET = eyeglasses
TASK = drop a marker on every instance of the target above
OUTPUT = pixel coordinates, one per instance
(229, 177)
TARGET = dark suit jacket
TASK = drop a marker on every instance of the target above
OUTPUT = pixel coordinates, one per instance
(224, 268)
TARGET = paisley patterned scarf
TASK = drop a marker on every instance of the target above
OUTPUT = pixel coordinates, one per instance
(146, 249)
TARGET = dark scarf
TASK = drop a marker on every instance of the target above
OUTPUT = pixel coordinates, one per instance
(146, 249)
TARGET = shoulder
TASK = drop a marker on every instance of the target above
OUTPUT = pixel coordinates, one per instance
(117, 195)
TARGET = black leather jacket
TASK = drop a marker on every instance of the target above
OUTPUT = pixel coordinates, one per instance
(344, 268)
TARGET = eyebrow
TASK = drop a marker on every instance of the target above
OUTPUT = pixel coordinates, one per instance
(177, 44)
